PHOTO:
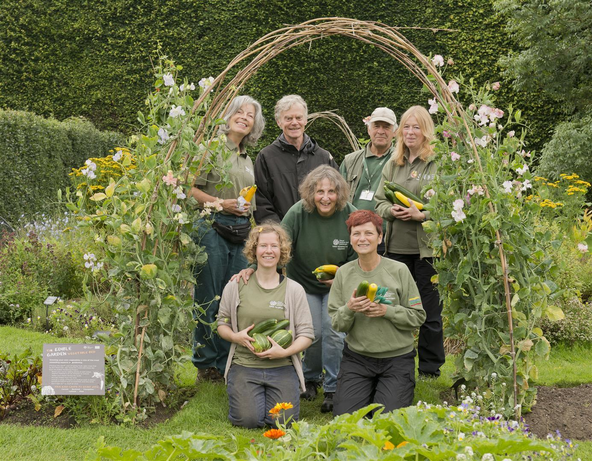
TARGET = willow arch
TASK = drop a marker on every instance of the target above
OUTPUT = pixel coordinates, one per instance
(386, 38)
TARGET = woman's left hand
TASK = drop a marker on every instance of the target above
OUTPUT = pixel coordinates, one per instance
(408, 214)
(275, 352)
(375, 310)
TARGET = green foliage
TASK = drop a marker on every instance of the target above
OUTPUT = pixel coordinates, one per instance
(79, 319)
(92, 59)
(576, 327)
(569, 150)
(36, 155)
(480, 197)
(18, 379)
(141, 225)
(32, 268)
(421, 432)
(554, 37)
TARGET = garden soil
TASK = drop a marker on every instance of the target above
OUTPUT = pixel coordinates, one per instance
(567, 410)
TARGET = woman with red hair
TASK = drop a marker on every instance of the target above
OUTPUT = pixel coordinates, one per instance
(378, 364)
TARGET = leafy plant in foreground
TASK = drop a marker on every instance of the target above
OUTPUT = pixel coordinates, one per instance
(422, 432)
(19, 379)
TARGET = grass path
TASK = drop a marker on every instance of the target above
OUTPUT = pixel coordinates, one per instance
(207, 411)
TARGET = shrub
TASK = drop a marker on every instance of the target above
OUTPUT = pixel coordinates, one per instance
(36, 155)
(569, 151)
(43, 259)
(575, 327)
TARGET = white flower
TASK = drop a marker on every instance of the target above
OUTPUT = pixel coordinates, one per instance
(469, 451)
(494, 375)
(433, 106)
(438, 61)
(176, 111)
(66, 328)
(508, 189)
(488, 457)
(429, 194)
(526, 185)
(482, 141)
(117, 156)
(522, 170)
(454, 156)
(206, 82)
(470, 160)
(476, 190)
(461, 436)
(168, 79)
(181, 217)
(179, 193)
(511, 134)
(458, 215)
(191, 87)
(163, 135)
(91, 165)
(461, 457)
(176, 208)
(458, 205)
(453, 86)
(583, 247)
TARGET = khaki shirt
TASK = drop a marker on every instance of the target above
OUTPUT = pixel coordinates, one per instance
(405, 237)
(241, 174)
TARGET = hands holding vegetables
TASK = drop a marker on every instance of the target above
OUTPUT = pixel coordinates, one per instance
(369, 300)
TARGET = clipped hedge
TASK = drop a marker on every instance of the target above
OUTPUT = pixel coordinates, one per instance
(36, 156)
(94, 58)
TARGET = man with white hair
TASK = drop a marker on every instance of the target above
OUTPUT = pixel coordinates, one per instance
(281, 166)
(362, 169)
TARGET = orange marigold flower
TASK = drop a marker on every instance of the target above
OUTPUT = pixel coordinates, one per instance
(280, 407)
(388, 446)
(274, 434)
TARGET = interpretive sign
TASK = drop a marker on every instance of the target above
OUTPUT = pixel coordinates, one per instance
(73, 369)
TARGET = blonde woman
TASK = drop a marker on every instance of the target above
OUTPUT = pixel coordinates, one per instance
(258, 381)
(413, 167)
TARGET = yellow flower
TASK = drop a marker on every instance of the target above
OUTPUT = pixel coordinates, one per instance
(540, 178)
(402, 444)
(388, 446)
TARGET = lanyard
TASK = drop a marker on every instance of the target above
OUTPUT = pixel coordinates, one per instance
(386, 156)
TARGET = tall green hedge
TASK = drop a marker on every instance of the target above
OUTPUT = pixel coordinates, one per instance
(36, 155)
(68, 57)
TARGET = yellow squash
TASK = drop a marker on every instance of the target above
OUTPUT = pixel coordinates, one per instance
(407, 201)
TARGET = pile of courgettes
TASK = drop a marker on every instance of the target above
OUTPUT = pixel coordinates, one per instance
(373, 292)
(273, 328)
(398, 195)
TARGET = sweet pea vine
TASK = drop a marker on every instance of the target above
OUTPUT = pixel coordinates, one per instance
(142, 219)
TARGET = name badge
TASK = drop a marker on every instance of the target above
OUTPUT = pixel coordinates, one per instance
(367, 195)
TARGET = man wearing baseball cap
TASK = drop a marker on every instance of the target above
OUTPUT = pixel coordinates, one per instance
(362, 169)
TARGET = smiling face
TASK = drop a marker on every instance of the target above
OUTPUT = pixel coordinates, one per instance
(241, 123)
(365, 238)
(268, 250)
(412, 135)
(292, 122)
(325, 198)
(381, 134)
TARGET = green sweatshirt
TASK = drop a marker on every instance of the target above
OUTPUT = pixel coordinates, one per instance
(378, 337)
(405, 237)
(316, 240)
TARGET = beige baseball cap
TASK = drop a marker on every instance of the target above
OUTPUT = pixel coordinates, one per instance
(383, 114)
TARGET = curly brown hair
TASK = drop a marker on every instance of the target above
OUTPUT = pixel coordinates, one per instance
(250, 250)
(308, 188)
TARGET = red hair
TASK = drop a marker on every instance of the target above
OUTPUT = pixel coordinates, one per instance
(359, 217)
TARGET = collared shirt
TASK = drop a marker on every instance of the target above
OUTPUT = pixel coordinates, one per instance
(241, 174)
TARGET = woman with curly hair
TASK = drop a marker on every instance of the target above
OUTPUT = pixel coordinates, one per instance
(316, 226)
(413, 168)
(258, 381)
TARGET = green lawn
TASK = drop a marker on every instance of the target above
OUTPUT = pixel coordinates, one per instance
(207, 411)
